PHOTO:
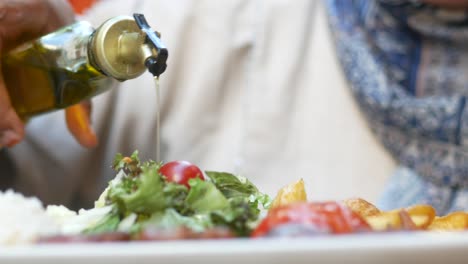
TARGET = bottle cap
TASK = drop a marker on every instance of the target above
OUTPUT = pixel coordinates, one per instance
(118, 48)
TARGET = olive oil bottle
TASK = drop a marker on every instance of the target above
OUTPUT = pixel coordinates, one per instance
(78, 62)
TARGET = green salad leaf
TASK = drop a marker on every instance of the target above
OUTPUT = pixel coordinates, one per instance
(108, 223)
(233, 186)
(175, 197)
(170, 218)
(245, 201)
(204, 197)
(140, 195)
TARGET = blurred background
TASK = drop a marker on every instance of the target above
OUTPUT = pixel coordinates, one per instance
(252, 87)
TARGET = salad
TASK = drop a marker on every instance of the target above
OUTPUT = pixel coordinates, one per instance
(149, 200)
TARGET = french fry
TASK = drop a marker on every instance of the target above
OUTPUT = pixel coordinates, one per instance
(451, 222)
(392, 220)
(417, 217)
(384, 221)
(422, 215)
(361, 207)
(379, 220)
(292, 193)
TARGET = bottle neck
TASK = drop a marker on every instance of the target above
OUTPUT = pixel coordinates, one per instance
(92, 57)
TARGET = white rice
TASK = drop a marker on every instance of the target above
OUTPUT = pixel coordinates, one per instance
(72, 223)
(23, 219)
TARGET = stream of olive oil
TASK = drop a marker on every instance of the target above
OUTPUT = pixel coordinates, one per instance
(158, 119)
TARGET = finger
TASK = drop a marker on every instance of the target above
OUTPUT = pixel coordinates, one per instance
(11, 126)
(10, 137)
(23, 20)
(17, 22)
(78, 123)
(61, 13)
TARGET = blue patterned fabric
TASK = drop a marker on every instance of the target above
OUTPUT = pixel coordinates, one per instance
(407, 65)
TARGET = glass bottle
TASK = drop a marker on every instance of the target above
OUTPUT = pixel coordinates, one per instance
(78, 62)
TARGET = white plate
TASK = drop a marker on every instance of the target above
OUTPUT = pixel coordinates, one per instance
(398, 248)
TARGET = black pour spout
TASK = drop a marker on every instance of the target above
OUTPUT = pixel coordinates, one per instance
(156, 65)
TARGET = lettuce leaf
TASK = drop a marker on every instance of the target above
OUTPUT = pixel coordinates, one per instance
(175, 196)
(228, 200)
(108, 223)
(170, 219)
(204, 197)
(237, 187)
(231, 185)
(140, 195)
(239, 217)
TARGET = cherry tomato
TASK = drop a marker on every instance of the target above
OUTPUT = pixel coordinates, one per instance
(324, 217)
(181, 172)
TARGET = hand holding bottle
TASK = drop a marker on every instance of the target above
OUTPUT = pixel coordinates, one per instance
(21, 21)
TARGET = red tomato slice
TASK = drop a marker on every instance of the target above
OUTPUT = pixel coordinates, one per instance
(181, 172)
(324, 217)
